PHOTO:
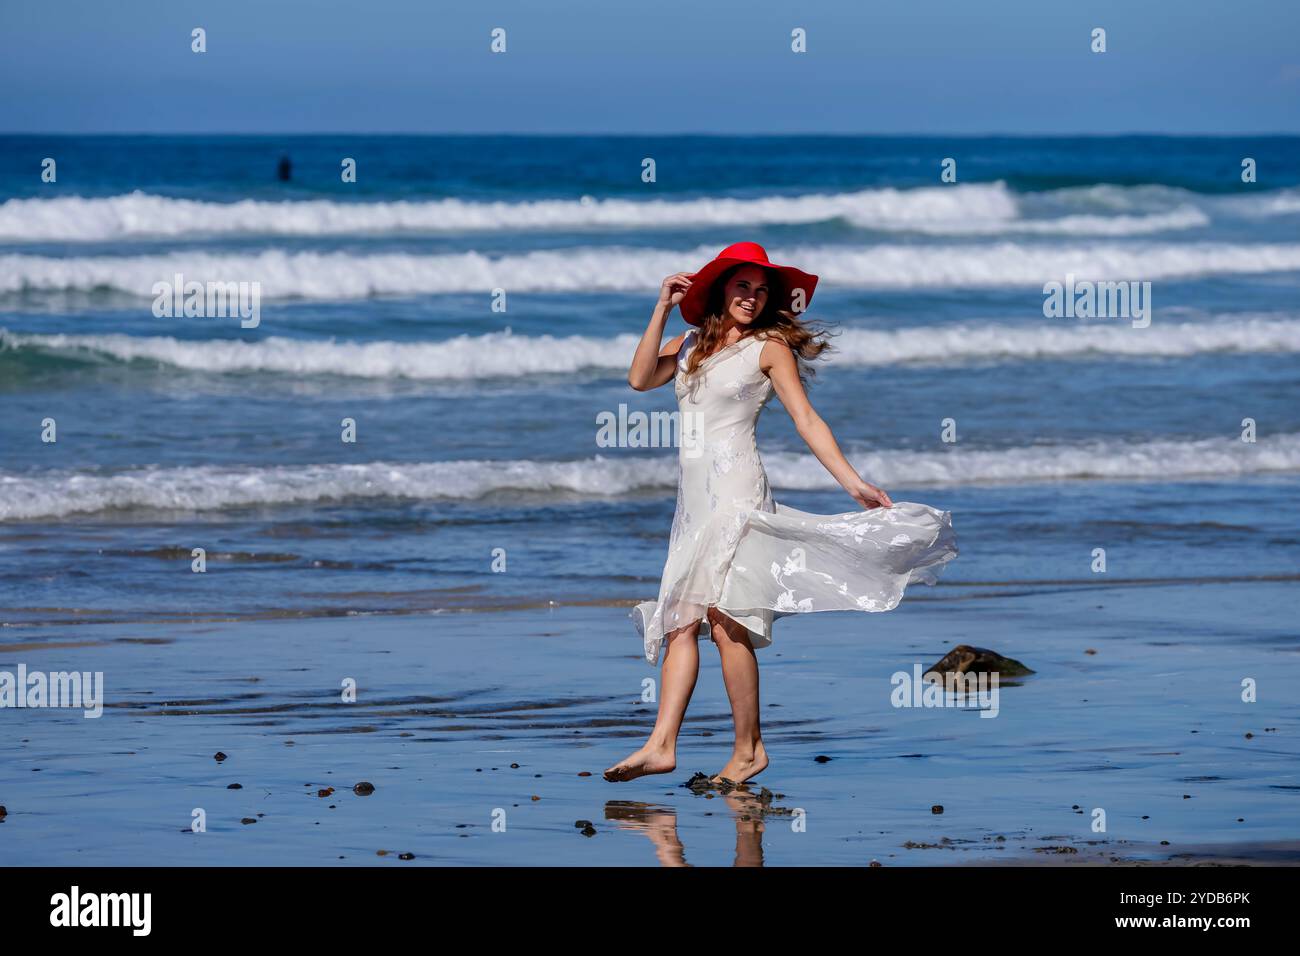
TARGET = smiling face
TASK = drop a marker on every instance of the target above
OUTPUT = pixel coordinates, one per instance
(745, 294)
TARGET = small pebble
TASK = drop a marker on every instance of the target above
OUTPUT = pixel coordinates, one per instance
(364, 789)
(218, 756)
(247, 820)
(235, 786)
(822, 758)
(406, 856)
(584, 773)
(937, 808)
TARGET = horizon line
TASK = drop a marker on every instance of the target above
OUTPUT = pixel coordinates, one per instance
(680, 134)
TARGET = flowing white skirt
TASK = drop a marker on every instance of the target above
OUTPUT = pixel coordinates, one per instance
(792, 562)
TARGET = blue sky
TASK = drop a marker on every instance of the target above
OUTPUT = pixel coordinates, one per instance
(698, 66)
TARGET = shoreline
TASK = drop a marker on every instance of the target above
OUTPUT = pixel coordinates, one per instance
(501, 605)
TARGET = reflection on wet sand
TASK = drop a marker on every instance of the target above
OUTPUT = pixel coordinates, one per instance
(656, 821)
(749, 810)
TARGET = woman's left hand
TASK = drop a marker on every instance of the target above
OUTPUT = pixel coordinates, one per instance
(869, 496)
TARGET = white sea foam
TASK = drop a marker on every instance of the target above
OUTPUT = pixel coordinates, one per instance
(961, 209)
(1054, 340)
(338, 275)
(58, 494)
(1283, 202)
(463, 357)
(505, 355)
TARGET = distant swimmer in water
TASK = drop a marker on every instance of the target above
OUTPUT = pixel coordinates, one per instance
(285, 169)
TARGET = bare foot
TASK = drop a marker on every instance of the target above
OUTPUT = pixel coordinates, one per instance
(645, 761)
(743, 766)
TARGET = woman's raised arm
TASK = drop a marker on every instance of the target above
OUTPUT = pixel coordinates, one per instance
(653, 365)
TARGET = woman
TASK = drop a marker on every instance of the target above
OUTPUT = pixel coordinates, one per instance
(736, 559)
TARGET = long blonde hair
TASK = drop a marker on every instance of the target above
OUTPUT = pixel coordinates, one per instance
(806, 340)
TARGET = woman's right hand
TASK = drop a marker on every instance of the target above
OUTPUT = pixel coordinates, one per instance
(674, 289)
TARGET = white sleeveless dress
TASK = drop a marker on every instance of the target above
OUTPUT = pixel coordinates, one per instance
(732, 547)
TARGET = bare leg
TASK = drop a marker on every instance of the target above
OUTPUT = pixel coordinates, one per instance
(740, 673)
(681, 666)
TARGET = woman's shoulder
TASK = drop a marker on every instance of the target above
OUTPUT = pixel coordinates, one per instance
(675, 345)
(772, 336)
(775, 349)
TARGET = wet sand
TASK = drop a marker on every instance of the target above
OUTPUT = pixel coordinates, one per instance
(463, 720)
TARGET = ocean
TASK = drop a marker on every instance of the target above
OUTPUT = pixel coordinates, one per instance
(476, 429)
(471, 304)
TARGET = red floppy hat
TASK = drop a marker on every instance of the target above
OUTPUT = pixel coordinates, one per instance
(696, 299)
